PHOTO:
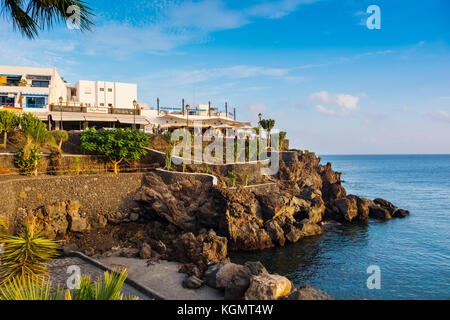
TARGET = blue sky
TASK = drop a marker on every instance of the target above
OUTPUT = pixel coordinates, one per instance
(334, 85)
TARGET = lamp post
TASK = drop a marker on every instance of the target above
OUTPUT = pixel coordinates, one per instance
(187, 115)
(260, 117)
(134, 114)
(60, 100)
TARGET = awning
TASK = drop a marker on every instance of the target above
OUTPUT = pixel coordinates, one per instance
(101, 119)
(67, 117)
(131, 120)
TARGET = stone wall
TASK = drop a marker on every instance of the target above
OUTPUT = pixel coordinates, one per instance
(98, 195)
(69, 164)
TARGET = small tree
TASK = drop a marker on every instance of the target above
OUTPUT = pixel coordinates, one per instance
(267, 125)
(62, 136)
(117, 145)
(281, 140)
(37, 135)
(25, 256)
(8, 122)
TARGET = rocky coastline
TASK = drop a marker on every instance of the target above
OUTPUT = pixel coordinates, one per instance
(197, 224)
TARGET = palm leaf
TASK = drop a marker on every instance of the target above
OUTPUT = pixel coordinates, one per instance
(29, 289)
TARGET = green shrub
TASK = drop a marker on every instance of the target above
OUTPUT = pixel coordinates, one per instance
(27, 159)
(246, 179)
(233, 177)
(26, 255)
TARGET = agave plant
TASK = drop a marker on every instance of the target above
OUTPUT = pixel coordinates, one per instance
(108, 288)
(29, 289)
(25, 256)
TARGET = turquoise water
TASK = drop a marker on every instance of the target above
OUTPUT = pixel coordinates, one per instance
(413, 253)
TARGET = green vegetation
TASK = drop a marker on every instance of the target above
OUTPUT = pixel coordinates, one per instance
(246, 179)
(108, 288)
(117, 145)
(77, 165)
(23, 272)
(233, 177)
(62, 136)
(25, 256)
(36, 134)
(282, 136)
(267, 124)
(168, 159)
(30, 17)
(8, 122)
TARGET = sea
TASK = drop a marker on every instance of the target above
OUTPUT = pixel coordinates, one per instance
(397, 259)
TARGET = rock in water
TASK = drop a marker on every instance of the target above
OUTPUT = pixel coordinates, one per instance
(268, 287)
(400, 213)
(307, 293)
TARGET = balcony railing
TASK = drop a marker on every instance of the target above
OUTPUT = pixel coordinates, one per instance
(79, 109)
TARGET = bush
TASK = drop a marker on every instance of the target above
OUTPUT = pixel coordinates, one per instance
(25, 256)
(233, 177)
(27, 159)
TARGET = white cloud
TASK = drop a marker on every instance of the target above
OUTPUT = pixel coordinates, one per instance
(257, 107)
(337, 104)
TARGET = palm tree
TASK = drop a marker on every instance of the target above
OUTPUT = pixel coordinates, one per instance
(62, 136)
(25, 256)
(267, 125)
(31, 16)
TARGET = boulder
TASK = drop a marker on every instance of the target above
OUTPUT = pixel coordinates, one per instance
(255, 267)
(347, 207)
(226, 273)
(379, 213)
(78, 221)
(268, 287)
(214, 247)
(310, 229)
(192, 282)
(211, 275)
(400, 213)
(307, 293)
(363, 207)
(292, 233)
(276, 233)
(385, 205)
(146, 251)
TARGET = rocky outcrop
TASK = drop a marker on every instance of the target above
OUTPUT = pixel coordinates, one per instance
(307, 293)
(202, 250)
(268, 287)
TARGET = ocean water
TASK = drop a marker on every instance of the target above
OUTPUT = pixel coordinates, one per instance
(413, 254)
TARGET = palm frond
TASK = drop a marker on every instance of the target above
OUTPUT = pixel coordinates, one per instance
(31, 16)
(26, 256)
(29, 289)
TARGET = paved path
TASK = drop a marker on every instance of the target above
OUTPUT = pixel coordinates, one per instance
(163, 278)
(58, 274)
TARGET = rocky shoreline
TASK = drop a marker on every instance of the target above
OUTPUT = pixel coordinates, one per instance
(196, 224)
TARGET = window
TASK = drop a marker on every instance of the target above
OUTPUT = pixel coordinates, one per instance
(102, 89)
(102, 104)
(109, 90)
(6, 101)
(40, 84)
(35, 102)
(87, 91)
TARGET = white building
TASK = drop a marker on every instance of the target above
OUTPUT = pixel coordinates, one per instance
(100, 94)
(30, 88)
(37, 88)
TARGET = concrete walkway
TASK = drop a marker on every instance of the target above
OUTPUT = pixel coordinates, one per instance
(163, 278)
(58, 272)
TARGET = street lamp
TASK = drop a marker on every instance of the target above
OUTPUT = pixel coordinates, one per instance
(260, 117)
(60, 110)
(134, 114)
(187, 115)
